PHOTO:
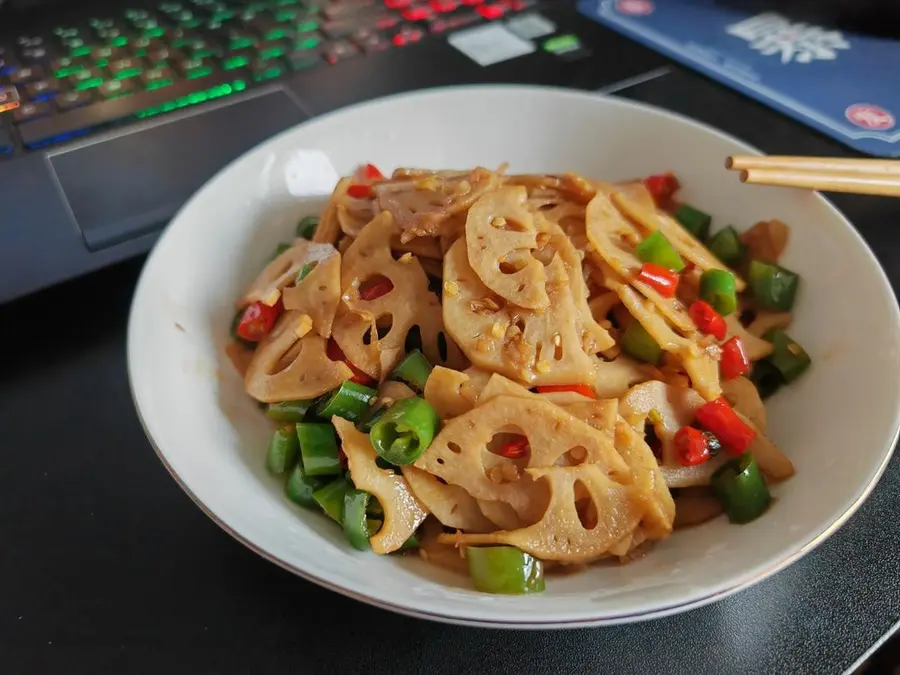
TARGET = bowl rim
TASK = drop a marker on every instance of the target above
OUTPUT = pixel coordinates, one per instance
(724, 589)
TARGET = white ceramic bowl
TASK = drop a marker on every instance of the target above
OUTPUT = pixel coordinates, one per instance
(838, 423)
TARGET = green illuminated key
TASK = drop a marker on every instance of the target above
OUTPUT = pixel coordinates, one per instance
(154, 32)
(276, 33)
(92, 83)
(271, 53)
(307, 43)
(308, 26)
(235, 62)
(240, 43)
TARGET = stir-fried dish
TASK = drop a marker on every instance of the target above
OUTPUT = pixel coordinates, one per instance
(519, 373)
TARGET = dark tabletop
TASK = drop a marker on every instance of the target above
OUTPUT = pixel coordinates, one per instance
(107, 567)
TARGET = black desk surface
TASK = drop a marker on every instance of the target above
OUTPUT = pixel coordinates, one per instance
(107, 567)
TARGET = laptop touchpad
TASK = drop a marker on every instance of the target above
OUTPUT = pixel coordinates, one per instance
(128, 186)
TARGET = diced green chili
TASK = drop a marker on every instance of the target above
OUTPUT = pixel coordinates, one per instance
(504, 569)
(282, 452)
(414, 370)
(331, 498)
(740, 487)
(658, 250)
(717, 287)
(788, 358)
(300, 487)
(405, 431)
(694, 221)
(370, 417)
(355, 521)
(307, 227)
(350, 401)
(318, 449)
(773, 286)
(639, 344)
(766, 378)
(726, 246)
(288, 411)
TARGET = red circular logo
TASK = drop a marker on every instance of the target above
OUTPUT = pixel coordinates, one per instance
(635, 7)
(869, 116)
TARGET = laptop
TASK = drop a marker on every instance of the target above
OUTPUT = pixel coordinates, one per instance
(114, 113)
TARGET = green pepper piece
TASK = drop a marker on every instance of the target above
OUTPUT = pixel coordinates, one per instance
(307, 227)
(282, 452)
(788, 358)
(718, 288)
(504, 569)
(300, 487)
(773, 286)
(766, 378)
(740, 487)
(658, 250)
(318, 449)
(639, 344)
(694, 221)
(414, 370)
(350, 401)
(370, 417)
(288, 411)
(356, 524)
(331, 498)
(726, 246)
(405, 431)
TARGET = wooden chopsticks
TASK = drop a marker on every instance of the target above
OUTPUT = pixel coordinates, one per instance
(860, 176)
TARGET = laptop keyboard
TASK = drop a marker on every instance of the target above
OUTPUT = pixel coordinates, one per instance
(111, 69)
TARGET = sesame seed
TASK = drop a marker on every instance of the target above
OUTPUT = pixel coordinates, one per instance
(497, 330)
(498, 221)
(406, 258)
(542, 366)
(451, 288)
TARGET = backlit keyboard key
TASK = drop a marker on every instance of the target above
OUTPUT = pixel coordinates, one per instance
(491, 12)
(157, 78)
(442, 6)
(194, 69)
(73, 99)
(42, 89)
(89, 78)
(26, 74)
(304, 60)
(67, 66)
(116, 88)
(338, 51)
(9, 99)
(267, 69)
(126, 68)
(31, 111)
(418, 13)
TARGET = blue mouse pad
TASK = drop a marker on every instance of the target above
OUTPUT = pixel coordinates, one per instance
(844, 84)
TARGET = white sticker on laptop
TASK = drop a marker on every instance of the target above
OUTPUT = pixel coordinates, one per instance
(530, 26)
(490, 44)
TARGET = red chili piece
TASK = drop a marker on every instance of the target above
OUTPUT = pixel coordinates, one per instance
(708, 320)
(335, 353)
(514, 449)
(720, 418)
(691, 446)
(662, 187)
(257, 320)
(734, 361)
(664, 281)
(582, 389)
(360, 191)
(374, 289)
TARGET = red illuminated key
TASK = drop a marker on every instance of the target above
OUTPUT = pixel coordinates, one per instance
(417, 13)
(491, 12)
(472, 3)
(397, 4)
(441, 6)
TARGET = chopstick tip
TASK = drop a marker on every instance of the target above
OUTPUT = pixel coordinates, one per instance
(744, 176)
(729, 162)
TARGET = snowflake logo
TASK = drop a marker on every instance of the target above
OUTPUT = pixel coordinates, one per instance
(772, 34)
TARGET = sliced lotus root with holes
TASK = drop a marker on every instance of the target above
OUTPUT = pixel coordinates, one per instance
(422, 247)
(319, 293)
(501, 514)
(449, 392)
(450, 504)
(409, 303)
(651, 220)
(390, 391)
(283, 271)
(460, 454)
(609, 512)
(500, 238)
(530, 347)
(615, 239)
(403, 512)
(422, 205)
(329, 228)
(649, 480)
(286, 367)
(614, 378)
(755, 348)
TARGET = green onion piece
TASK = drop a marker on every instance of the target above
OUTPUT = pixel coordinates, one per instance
(414, 370)
(318, 449)
(639, 344)
(281, 248)
(350, 401)
(282, 452)
(370, 417)
(356, 524)
(717, 287)
(788, 358)
(766, 378)
(305, 270)
(288, 411)
(300, 487)
(726, 246)
(331, 498)
(658, 250)
(740, 487)
(405, 431)
(504, 569)
(694, 221)
(307, 227)
(773, 286)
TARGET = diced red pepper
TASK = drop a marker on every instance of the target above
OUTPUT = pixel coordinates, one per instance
(367, 173)
(719, 417)
(360, 191)
(375, 288)
(734, 361)
(335, 353)
(582, 389)
(662, 187)
(514, 449)
(664, 281)
(708, 320)
(257, 320)
(692, 446)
